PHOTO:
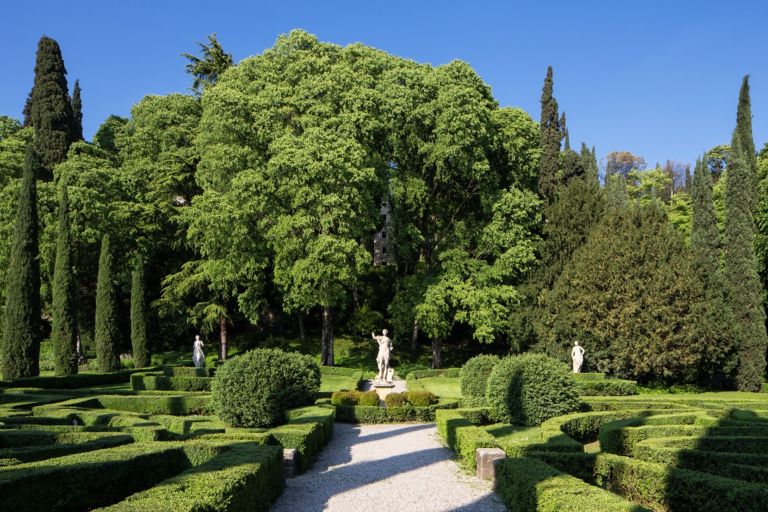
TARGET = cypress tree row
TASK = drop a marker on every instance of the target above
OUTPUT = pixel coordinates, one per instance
(64, 324)
(742, 280)
(51, 110)
(107, 335)
(21, 322)
(550, 136)
(139, 316)
(77, 113)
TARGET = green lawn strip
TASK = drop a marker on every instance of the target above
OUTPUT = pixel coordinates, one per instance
(444, 387)
(247, 477)
(80, 380)
(88, 480)
(529, 485)
(66, 446)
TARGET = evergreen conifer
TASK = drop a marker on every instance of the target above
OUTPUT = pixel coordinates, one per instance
(51, 109)
(139, 316)
(106, 330)
(745, 293)
(21, 322)
(77, 113)
(550, 137)
(64, 324)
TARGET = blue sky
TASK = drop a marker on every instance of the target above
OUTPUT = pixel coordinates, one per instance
(656, 78)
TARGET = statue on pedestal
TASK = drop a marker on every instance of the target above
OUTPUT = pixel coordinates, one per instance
(577, 355)
(198, 356)
(382, 359)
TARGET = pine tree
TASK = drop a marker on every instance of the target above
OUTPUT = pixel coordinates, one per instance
(21, 324)
(573, 165)
(550, 136)
(715, 324)
(77, 113)
(139, 316)
(742, 280)
(107, 334)
(51, 109)
(589, 162)
(64, 325)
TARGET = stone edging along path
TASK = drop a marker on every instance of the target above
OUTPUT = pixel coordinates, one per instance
(387, 468)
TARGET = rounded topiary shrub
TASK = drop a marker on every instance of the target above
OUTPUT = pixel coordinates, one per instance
(531, 388)
(255, 389)
(474, 376)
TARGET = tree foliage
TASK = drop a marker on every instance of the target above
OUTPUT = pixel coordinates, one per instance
(107, 335)
(63, 312)
(210, 67)
(139, 341)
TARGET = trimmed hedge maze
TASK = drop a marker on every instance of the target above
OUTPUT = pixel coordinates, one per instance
(671, 453)
(144, 450)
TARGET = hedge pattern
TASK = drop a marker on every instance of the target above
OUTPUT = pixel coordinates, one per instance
(158, 381)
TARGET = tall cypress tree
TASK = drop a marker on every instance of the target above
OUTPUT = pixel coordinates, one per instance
(77, 113)
(21, 323)
(550, 136)
(64, 325)
(51, 109)
(589, 162)
(715, 324)
(743, 282)
(107, 335)
(139, 316)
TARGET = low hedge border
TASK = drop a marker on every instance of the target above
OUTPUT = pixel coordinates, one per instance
(188, 371)
(138, 425)
(462, 435)
(247, 477)
(453, 373)
(160, 382)
(35, 453)
(663, 487)
(173, 404)
(529, 485)
(377, 414)
(89, 480)
(608, 387)
(80, 380)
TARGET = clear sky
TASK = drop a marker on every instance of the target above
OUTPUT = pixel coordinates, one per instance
(658, 78)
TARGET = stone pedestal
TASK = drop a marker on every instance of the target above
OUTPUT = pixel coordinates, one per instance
(290, 460)
(486, 462)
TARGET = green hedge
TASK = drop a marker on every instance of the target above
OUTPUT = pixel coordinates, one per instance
(59, 449)
(138, 425)
(364, 414)
(529, 485)
(81, 380)
(589, 376)
(247, 477)
(750, 467)
(187, 371)
(88, 480)
(453, 373)
(355, 398)
(174, 405)
(663, 487)
(149, 381)
(612, 387)
(462, 435)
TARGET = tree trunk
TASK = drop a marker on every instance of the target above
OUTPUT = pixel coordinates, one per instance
(437, 353)
(300, 318)
(223, 337)
(415, 337)
(326, 345)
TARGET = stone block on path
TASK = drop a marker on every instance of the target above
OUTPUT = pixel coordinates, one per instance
(486, 462)
(290, 458)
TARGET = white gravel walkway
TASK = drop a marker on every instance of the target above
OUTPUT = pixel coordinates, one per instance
(386, 468)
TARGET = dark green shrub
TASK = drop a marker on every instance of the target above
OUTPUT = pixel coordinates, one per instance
(607, 387)
(474, 376)
(396, 399)
(531, 388)
(354, 398)
(257, 388)
(421, 398)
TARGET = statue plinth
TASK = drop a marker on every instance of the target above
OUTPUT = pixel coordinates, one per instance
(383, 384)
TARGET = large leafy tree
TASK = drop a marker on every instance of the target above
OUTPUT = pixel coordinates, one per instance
(51, 109)
(64, 317)
(742, 280)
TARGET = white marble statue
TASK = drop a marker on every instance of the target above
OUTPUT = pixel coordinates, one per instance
(382, 359)
(577, 354)
(198, 356)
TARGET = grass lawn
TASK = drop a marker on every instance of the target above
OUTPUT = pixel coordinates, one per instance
(331, 383)
(506, 433)
(444, 387)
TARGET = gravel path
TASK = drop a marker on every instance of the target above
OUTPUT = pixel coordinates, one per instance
(386, 468)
